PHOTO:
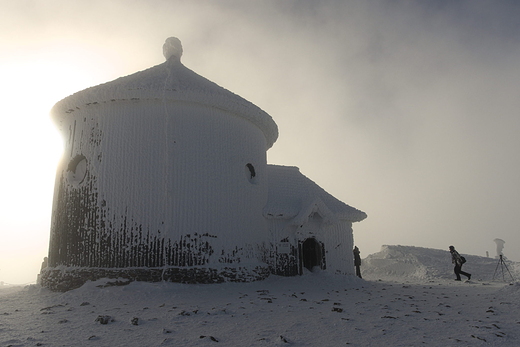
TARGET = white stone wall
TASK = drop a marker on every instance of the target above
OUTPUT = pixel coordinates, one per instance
(161, 171)
(338, 240)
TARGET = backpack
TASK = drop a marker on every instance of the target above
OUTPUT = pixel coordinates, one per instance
(462, 260)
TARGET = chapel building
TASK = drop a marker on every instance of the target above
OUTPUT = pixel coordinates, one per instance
(164, 178)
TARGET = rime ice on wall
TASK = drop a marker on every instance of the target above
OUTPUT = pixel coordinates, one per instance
(308, 226)
(164, 177)
(157, 174)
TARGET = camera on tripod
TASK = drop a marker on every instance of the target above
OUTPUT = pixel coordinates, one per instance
(502, 265)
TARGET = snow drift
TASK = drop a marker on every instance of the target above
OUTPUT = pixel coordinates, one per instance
(429, 264)
(400, 302)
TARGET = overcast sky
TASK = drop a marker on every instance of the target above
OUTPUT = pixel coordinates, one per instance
(407, 110)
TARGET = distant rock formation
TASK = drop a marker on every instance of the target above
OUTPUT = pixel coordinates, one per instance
(409, 263)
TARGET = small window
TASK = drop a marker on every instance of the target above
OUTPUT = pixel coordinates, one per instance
(250, 173)
(77, 170)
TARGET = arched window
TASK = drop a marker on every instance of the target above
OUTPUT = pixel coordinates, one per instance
(250, 173)
(77, 170)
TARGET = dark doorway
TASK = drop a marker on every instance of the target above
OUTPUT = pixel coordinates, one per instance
(311, 254)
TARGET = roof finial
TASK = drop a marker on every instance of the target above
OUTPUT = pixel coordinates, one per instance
(172, 47)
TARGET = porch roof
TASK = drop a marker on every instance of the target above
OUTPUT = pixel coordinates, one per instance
(293, 195)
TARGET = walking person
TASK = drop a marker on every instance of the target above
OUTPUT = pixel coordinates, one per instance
(457, 260)
(357, 261)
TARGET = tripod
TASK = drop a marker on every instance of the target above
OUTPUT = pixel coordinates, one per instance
(502, 265)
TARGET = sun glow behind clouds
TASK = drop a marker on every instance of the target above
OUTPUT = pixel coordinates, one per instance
(30, 148)
(36, 74)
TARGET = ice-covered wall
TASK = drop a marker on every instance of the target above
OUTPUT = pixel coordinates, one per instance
(169, 187)
(339, 240)
(288, 251)
(154, 184)
(301, 213)
(164, 177)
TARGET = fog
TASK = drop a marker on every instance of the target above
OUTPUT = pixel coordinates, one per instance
(403, 109)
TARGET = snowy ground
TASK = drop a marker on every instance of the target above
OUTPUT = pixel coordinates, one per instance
(407, 298)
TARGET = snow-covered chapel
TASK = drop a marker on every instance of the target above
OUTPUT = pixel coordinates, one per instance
(164, 177)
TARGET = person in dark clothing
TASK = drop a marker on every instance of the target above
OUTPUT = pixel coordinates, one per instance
(357, 261)
(457, 260)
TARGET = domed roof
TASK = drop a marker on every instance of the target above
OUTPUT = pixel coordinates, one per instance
(169, 81)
